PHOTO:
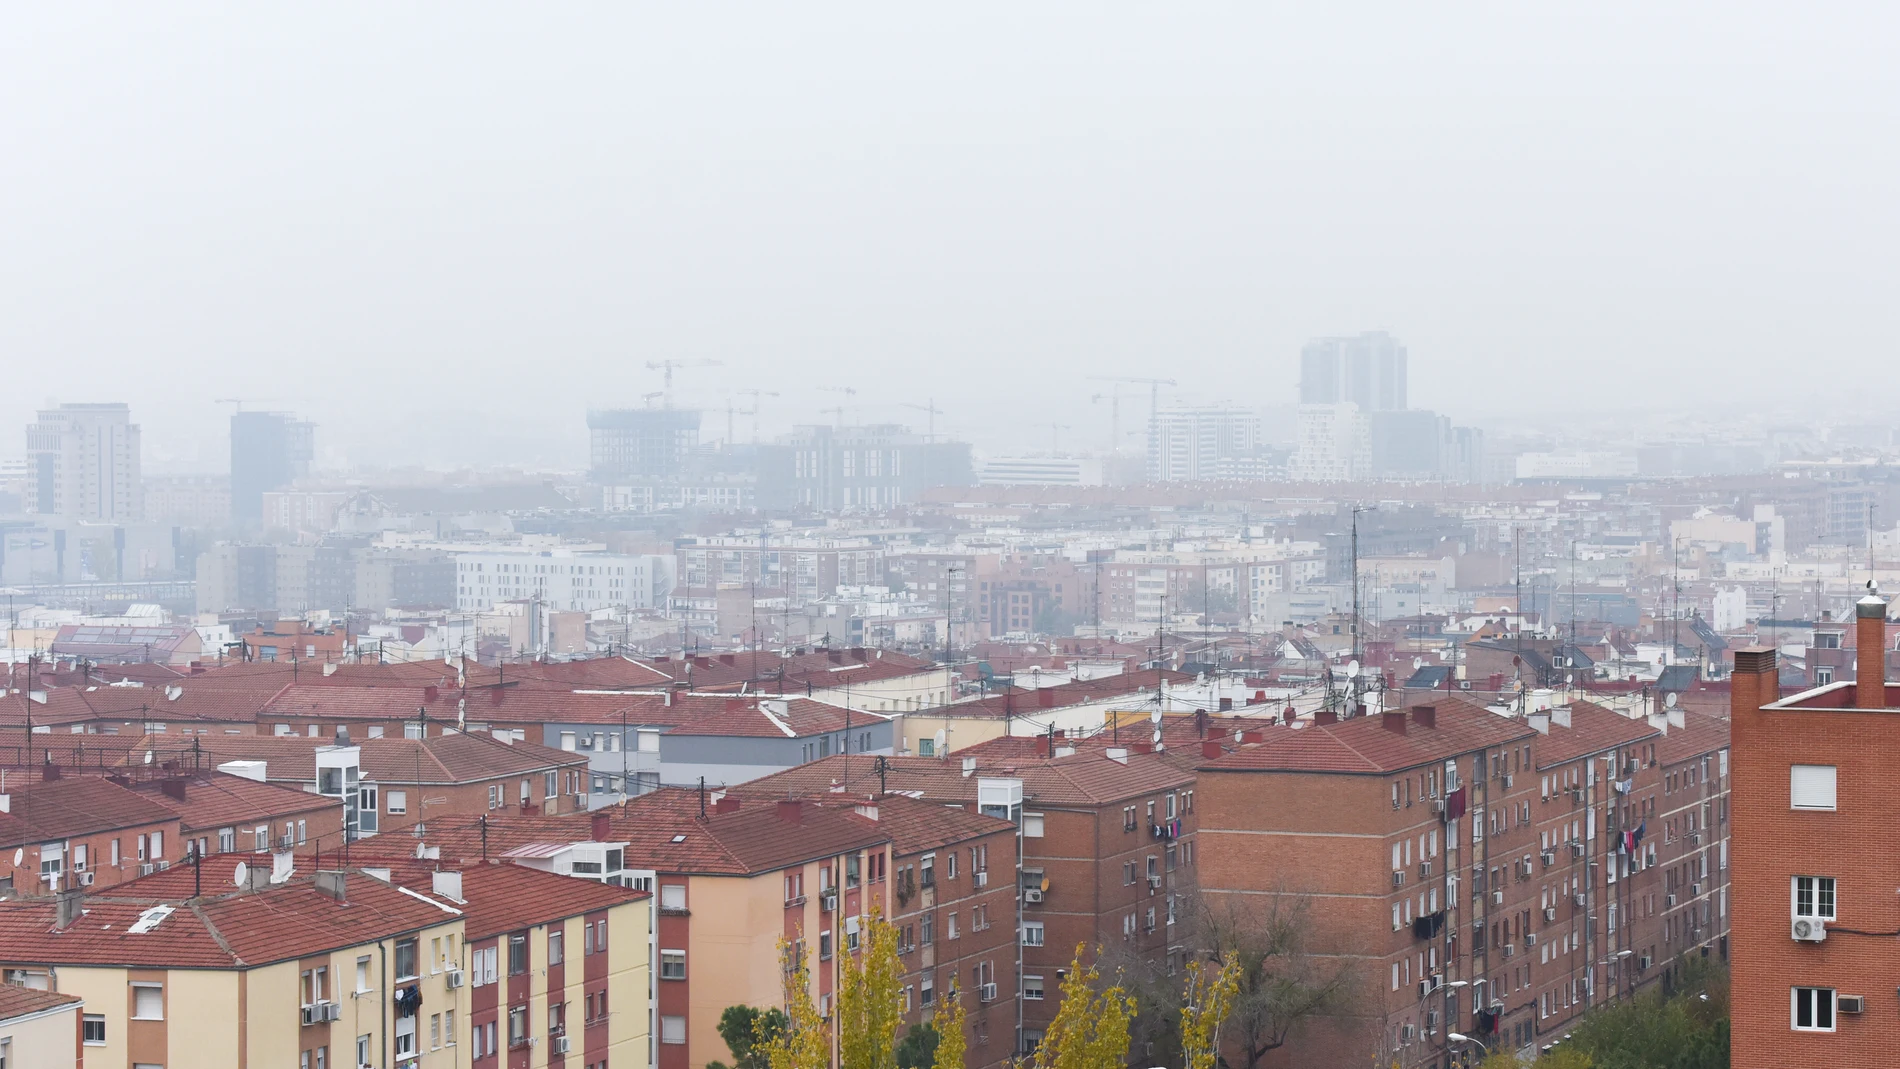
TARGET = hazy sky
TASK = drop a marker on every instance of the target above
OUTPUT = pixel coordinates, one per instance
(445, 231)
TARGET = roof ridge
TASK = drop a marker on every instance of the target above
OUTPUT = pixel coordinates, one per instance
(211, 929)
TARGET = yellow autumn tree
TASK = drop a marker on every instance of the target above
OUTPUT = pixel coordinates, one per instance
(1208, 997)
(805, 1042)
(949, 1019)
(870, 998)
(1090, 1031)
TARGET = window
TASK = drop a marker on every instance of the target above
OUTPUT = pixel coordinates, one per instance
(362, 1050)
(362, 974)
(517, 955)
(672, 964)
(1811, 787)
(1813, 1009)
(550, 784)
(518, 1026)
(672, 1029)
(448, 1029)
(1032, 825)
(1032, 933)
(398, 801)
(406, 964)
(673, 895)
(95, 1029)
(148, 1002)
(1814, 897)
(1032, 987)
(557, 947)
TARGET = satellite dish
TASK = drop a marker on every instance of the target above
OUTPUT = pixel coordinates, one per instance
(1671, 699)
(1155, 717)
(1352, 669)
(19, 855)
(241, 875)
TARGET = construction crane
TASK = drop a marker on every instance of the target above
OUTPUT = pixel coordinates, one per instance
(838, 409)
(1115, 403)
(848, 391)
(669, 366)
(753, 411)
(930, 408)
(1055, 437)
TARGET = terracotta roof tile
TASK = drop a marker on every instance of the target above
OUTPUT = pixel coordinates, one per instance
(69, 808)
(17, 1001)
(1363, 745)
(456, 758)
(1593, 729)
(1087, 778)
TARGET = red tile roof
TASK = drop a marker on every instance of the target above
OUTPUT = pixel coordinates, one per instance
(215, 800)
(1363, 745)
(1088, 778)
(457, 758)
(17, 1001)
(1700, 734)
(502, 897)
(69, 808)
(1018, 701)
(1593, 729)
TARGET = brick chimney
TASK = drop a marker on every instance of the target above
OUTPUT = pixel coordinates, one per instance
(601, 826)
(1393, 721)
(790, 811)
(1425, 716)
(1755, 682)
(1210, 748)
(1326, 716)
(1870, 653)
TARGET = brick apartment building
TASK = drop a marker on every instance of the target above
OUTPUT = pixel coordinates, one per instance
(1473, 865)
(1107, 840)
(1813, 883)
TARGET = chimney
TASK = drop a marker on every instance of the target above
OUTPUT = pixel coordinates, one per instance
(790, 811)
(430, 693)
(728, 659)
(969, 766)
(727, 803)
(1226, 704)
(1870, 653)
(174, 788)
(1210, 749)
(1046, 697)
(49, 772)
(599, 826)
(1326, 716)
(446, 884)
(1393, 721)
(1425, 716)
(1042, 746)
(1755, 682)
(330, 884)
(70, 905)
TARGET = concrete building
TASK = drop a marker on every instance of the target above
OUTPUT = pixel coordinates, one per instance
(1197, 444)
(188, 500)
(582, 578)
(42, 1029)
(1334, 444)
(858, 467)
(1039, 471)
(1368, 370)
(269, 450)
(1812, 789)
(640, 443)
(85, 463)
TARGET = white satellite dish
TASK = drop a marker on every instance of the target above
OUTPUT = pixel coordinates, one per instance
(1155, 717)
(19, 855)
(1670, 699)
(1352, 669)
(241, 875)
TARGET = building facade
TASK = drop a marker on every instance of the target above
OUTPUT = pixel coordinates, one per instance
(84, 461)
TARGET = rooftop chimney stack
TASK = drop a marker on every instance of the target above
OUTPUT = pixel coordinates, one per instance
(1870, 654)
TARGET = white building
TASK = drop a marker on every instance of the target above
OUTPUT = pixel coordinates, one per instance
(561, 577)
(1577, 465)
(83, 461)
(1039, 471)
(1198, 444)
(1334, 444)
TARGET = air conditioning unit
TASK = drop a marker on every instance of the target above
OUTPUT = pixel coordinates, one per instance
(312, 1014)
(1643, 962)
(1497, 898)
(982, 878)
(1805, 930)
(987, 993)
(332, 1011)
(828, 901)
(1509, 780)
(1431, 1019)
(1398, 878)
(456, 978)
(1032, 895)
(1851, 1003)
(1669, 901)
(1405, 1033)
(1510, 950)
(1631, 766)
(1424, 869)
(85, 879)
(1695, 890)
(1576, 795)
(1550, 914)
(1549, 858)
(1576, 849)
(1438, 806)
(560, 1044)
(1154, 880)
(1577, 900)
(1695, 838)
(1530, 939)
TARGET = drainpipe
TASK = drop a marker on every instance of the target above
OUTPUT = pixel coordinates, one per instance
(382, 952)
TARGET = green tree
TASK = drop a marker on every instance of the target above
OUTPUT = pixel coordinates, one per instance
(870, 999)
(1090, 1030)
(748, 1032)
(918, 1048)
(947, 1022)
(805, 1041)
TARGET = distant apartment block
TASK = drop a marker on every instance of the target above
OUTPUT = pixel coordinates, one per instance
(188, 500)
(84, 461)
(269, 450)
(1039, 471)
(872, 466)
(1367, 370)
(1200, 444)
(1334, 444)
(560, 577)
(1576, 465)
(640, 443)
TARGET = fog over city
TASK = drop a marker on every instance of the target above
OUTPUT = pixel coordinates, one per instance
(882, 536)
(448, 231)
